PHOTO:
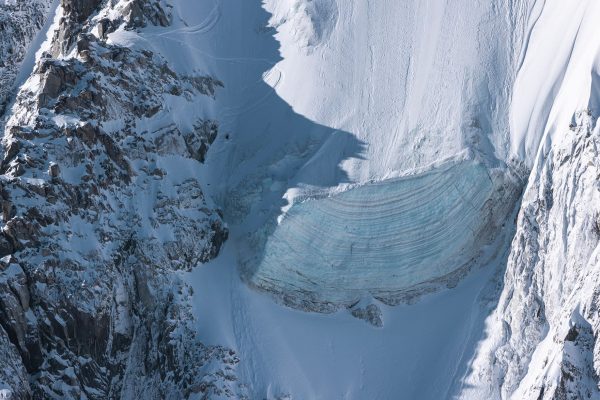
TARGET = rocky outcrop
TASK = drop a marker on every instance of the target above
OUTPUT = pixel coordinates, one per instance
(102, 207)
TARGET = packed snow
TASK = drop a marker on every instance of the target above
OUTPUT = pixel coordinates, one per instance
(420, 353)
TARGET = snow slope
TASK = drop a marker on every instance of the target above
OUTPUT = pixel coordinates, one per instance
(369, 153)
(417, 81)
(420, 353)
(555, 79)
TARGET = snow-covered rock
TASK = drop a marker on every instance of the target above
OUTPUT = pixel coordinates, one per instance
(540, 342)
(102, 207)
(20, 23)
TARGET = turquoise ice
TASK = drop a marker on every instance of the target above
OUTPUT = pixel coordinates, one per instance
(380, 238)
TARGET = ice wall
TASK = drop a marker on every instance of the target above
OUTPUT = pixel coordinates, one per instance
(386, 239)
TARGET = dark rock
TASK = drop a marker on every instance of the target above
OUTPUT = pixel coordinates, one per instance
(79, 10)
(572, 334)
(371, 314)
(54, 170)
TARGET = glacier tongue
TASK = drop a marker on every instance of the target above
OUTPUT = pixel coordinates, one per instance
(378, 92)
(390, 239)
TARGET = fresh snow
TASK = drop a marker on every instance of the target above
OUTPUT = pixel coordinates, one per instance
(555, 79)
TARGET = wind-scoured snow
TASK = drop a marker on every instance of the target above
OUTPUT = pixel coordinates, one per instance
(417, 81)
(556, 76)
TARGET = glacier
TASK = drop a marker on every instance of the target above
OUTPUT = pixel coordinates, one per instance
(388, 239)
(372, 115)
(290, 199)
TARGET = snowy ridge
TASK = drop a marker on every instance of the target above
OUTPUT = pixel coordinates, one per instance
(20, 22)
(541, 342)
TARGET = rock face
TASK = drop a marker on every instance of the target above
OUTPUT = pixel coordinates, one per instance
(20, 22)
(543, 334)
(102, 207)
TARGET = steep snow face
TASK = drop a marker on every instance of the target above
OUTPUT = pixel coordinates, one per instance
(416, 81)
(558, 75)
(542, 338)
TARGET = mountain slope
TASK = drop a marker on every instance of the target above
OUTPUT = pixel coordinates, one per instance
(542, 337)
(427, 167)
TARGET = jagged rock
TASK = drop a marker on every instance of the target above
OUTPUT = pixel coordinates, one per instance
(79, 10)
(19, 23)
(54, 170)
(551, 289)
(91, 302)
(138, 12)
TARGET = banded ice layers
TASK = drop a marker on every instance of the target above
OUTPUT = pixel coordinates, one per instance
(388, 239)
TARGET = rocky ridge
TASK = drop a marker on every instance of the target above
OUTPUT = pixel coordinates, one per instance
(99, 217)
(20, 22)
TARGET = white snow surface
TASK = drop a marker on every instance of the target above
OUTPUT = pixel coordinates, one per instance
(555, 79)
(419, 354)
(416, 81)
